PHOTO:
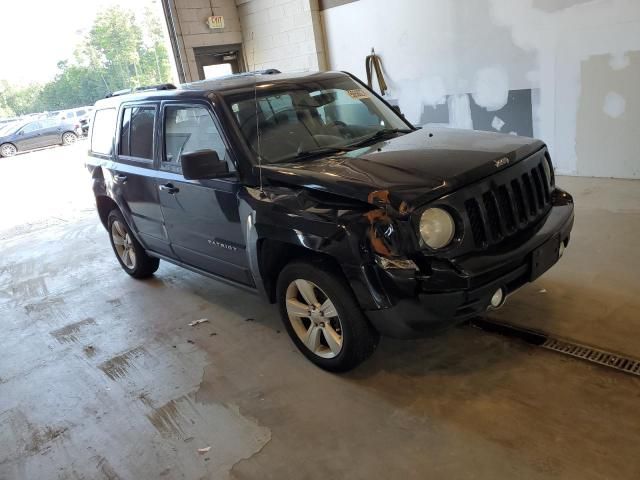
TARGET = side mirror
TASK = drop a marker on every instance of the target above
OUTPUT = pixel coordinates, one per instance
(21, 132)
(202, 165)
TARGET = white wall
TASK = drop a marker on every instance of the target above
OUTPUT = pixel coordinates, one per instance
(435, 52)
(282, 34)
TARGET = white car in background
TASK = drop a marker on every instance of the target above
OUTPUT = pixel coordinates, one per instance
(81, 115)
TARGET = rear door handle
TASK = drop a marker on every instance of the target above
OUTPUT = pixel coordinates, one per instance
(120, 178)
(169, 188)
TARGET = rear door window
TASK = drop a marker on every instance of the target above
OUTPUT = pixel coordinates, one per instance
(137, 132)
(104, 126)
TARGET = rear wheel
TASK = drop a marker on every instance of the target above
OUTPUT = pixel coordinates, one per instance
(323, 317)
(69, 138)
(128, 250)
(8, 150)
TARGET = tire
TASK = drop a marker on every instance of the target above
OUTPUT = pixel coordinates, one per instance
(128, 250)
(315, 334)
(8, 150)
(69, 138)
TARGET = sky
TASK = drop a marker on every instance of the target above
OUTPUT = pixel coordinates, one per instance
(37, 34)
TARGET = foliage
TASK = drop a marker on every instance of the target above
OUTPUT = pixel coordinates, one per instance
(117, 53)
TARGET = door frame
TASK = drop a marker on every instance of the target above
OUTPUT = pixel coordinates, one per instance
(201, 53)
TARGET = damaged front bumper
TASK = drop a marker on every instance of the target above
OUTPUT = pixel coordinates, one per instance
(418, 304)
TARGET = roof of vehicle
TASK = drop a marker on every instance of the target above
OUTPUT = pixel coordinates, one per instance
(224, 85)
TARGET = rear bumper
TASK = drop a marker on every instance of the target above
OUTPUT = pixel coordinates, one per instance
(463, 289)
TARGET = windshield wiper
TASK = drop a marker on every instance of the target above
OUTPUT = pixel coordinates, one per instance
(303, 154)
(382, 133)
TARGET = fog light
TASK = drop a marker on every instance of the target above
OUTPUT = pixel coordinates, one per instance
(498, 298)
(561, 250)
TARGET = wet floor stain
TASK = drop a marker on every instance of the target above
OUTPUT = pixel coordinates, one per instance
(41, 439)
(44, 305)
(171, 418)
(118, 366)
(32, 288)
(21, 270)
(103, 466)
(69, 333)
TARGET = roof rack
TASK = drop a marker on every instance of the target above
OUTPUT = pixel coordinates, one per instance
(269, 71)
(160, 86)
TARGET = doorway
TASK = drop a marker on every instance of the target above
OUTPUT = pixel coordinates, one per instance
(218, 61)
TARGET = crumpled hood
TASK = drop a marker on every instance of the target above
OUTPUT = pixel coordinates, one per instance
(408, 170)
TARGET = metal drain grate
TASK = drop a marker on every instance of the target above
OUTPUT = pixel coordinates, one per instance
(594, 355)
(616, 361)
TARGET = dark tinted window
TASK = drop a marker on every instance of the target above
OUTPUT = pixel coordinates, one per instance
(189, 129)
(104, 125)
(136, 136)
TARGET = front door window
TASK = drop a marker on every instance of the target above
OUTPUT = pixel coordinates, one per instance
(190, 129)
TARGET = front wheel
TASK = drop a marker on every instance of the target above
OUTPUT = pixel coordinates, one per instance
(131, 255)
(323, 317)
(8, 150)
(69, 138)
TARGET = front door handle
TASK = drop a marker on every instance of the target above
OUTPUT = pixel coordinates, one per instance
(120, 178)
(169, 188)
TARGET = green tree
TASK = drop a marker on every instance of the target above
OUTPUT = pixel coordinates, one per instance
(73, 86)
(5, 109)
(155, 59)
(131, 55)
(19, 100)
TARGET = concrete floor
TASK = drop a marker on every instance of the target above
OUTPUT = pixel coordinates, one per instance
(101, 377)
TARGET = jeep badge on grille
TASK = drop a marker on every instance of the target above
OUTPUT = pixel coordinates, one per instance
(501, 162)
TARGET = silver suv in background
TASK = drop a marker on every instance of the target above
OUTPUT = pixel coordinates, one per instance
(81, 115)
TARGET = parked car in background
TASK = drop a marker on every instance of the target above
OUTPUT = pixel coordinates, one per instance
(23, 136)
(80, 115)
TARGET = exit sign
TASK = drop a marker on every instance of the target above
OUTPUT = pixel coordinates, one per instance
(215, 22)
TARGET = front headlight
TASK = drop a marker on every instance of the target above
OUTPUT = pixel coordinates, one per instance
(437, 228)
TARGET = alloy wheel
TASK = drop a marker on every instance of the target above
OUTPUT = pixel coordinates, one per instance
(123, 244)
(69, 138)
(8, 150)
(314, 318)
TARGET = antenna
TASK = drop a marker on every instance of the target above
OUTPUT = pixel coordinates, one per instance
(255, 99)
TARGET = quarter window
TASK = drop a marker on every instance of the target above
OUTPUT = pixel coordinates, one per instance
(189, 129)
(136, 134)
(102, 132)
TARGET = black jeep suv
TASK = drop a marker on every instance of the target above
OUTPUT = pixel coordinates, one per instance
(312, 191)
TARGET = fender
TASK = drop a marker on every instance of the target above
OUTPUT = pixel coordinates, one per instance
(328, 225)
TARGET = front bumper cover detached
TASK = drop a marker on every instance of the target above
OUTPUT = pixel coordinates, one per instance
(471, 281)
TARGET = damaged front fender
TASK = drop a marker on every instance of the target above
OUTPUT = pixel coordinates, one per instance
(348, 232)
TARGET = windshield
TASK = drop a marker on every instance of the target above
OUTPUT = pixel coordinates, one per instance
(299, 119)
